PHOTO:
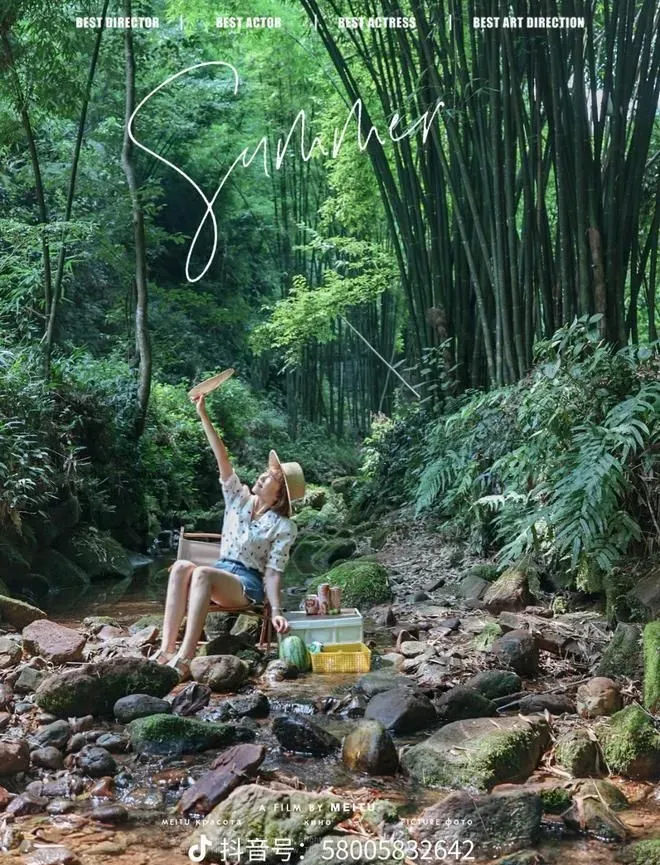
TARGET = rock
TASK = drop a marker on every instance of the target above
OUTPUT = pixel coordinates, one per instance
(23, 707)
(17, 613)
(460, 703)
(497, 823)
(95, 761)
(363, 583)
(96, 553)
(53, 642)
(630, 744)
(598, 697)
(472, 588)
(221, 673)
(94, 688)
(369, 748)
(227, 644)
(651, 643)
(254, 705)
(578, 753)
(85, 722)
(357, 706)
(11, 650)
(556, 704)
(401, 711)
(6, 696)
(14, 757)
(479, 752)
(602, 789)
(5, 718)
(111, 814)
(133, 706)
(393, 659)
(518, 650)
(297, 733)
(589, 813)
(495, 683)
(381, 680)
(420, 596)
(113, 742)
(647, 593)
(623, 654)
(60, 573)
(29, 680)
(191, 699)
(509, 592)
(485, 570)
(47, 758)
(278, 671)
(413, 648)
(174, 734)
(434, 584)
(52, 855)
(25, 804)
(95, 623)
(231, 768)
(254, 812)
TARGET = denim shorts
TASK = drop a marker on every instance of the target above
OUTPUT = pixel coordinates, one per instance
(249, 577)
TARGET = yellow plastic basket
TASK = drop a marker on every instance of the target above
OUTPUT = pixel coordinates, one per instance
(342, 658)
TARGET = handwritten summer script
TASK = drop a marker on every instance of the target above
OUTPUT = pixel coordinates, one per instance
(248, 155)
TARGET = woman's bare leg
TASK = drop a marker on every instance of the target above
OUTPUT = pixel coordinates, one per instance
(206, 583)
(175, 603)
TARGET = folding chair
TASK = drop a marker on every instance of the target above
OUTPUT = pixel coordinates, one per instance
(203, 548)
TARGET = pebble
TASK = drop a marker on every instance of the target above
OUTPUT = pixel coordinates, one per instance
(55, 855)
(110, 813)
(60, 806)
(95, 761)
(47, 758)
(56, 734)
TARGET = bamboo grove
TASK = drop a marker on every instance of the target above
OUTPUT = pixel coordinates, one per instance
(536, 197)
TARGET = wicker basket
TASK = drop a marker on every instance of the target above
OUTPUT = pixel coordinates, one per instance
(342, 658)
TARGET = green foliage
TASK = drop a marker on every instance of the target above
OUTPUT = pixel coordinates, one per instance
(561, 463)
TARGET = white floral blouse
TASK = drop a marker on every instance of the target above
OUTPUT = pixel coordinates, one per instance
(262, 543)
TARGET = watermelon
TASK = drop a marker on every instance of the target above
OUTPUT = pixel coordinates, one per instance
(294, 650)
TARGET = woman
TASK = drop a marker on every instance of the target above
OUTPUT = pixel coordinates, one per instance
(257, 535)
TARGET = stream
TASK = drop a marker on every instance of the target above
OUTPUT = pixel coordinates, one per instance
(151, 790)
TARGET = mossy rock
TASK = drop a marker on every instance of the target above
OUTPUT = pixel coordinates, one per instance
(577, 752)
(150, 620)
(630, 744)
(644, 852)
(17, 613)
(254, 812)
(363, 583)
(13, 564)
(620, 601)
(315, 497)
(93, 689)
(60, 572)
(651, 642)
(166, 735)
(555, 800)
(623, 654)
(600, 788)
(97, 553)
(479, 754)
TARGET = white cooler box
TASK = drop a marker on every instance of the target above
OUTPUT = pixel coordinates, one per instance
(343, 627)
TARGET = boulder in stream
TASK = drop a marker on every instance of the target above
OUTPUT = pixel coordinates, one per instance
(298, 734)
(509, 592)
(133, 706)
(369, 748)
(518, 650)
(599, 696)
(460, 702)
(401, 711)
(14, 757)
(222, 673)
(495, 683)
(578, 753)
(481, 826)
(257, 813)
(479, 752)
(93, 689)
(173, 734)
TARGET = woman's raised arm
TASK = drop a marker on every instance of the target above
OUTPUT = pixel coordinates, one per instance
(217, 445)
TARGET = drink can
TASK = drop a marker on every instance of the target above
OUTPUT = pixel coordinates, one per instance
(324, 594)
(312, 605)
(335, 598)
(324, 608)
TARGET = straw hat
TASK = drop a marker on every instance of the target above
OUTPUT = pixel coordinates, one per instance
(294, 480)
